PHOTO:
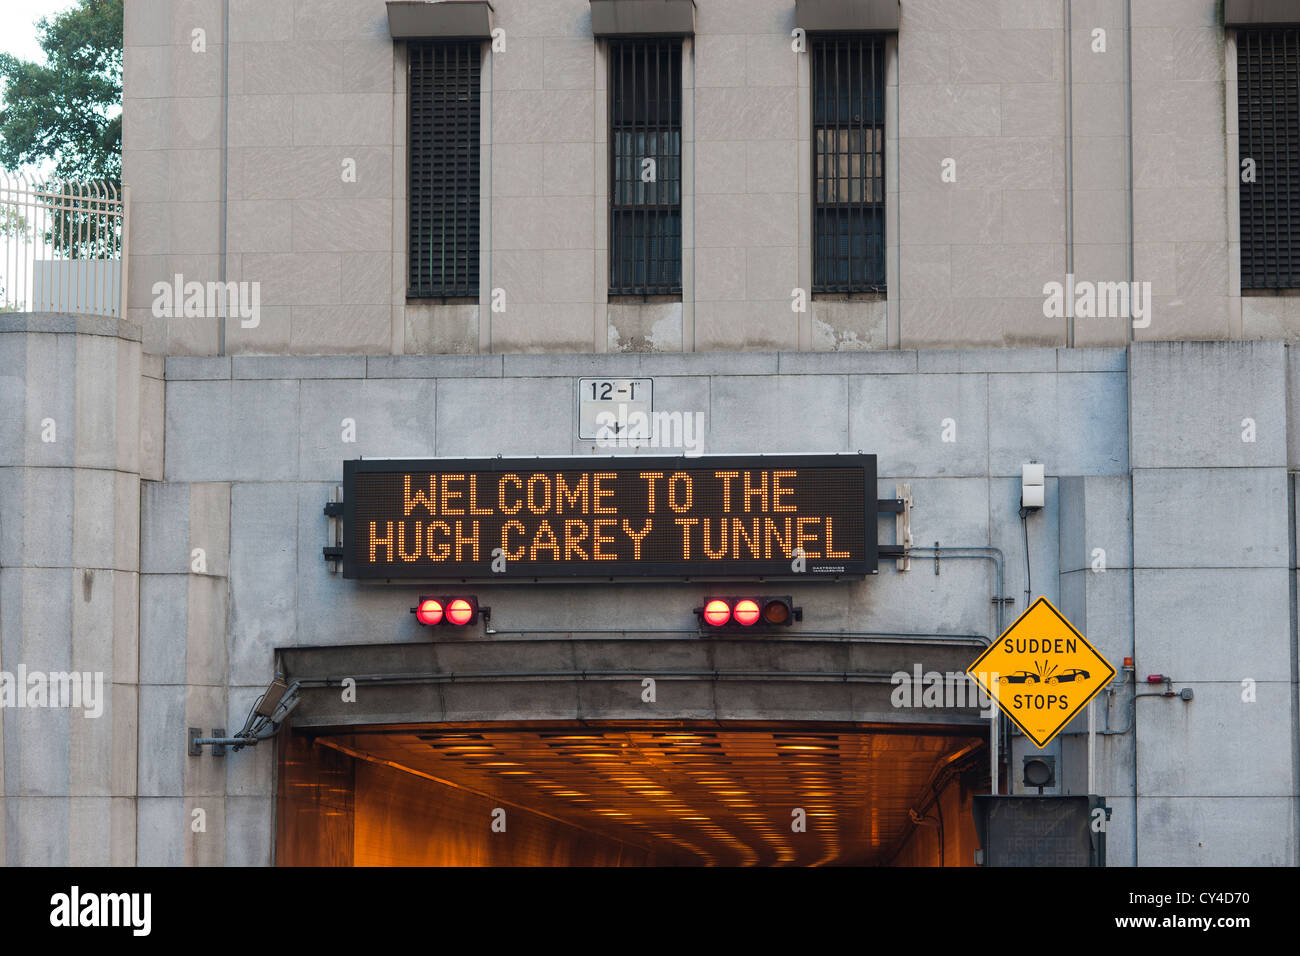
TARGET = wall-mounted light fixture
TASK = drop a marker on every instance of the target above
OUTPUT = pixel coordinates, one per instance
(1033, 491)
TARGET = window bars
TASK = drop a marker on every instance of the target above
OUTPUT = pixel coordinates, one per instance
(63, 246)
(645, 199)
(1268, 118)
(444, 169)
(848, 155)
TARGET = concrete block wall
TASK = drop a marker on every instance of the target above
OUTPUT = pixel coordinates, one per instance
(185, 608)
(1099, 154)
(182, 586)
(981, 85)
(72, 400)
(1096, 592)
(284, 452)
(242, 151)
(1212, 549)
(172, 126)
(238, 149)
(752, 138)
(547, 150)
(283, 448)
(1180, 185)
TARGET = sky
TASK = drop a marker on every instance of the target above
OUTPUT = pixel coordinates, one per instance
(18, 25)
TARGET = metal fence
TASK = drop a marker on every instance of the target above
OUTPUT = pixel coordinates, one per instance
(63, 246)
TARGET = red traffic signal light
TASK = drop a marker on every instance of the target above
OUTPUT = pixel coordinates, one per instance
(746, 611)
(743, 613)
(716, 612)
(461, 611)
(428, 611)
(453, 611)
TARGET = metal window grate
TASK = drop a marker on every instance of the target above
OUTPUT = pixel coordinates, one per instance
(848, 88)
(1268, 108)
(645, 200)
(444, 169)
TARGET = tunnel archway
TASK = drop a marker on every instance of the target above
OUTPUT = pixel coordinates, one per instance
(785, 753)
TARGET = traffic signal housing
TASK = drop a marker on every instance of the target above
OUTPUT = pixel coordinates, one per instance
(451, 611)
(748, 613)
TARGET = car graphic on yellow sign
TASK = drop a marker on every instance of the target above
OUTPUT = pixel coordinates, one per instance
(1029, 677)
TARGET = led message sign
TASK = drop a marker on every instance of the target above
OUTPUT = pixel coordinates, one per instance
(623, 517)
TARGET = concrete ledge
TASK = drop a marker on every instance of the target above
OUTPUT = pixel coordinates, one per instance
(440, 20)
(550, 364)
(825, 16)
(867, 361)
(433, 366)
(1260, 13)
(986, 360)
(298, 366)
(622, 18)
(203, 368)
(67, 323)
(708, 363)
(645, 363)
(578, 365)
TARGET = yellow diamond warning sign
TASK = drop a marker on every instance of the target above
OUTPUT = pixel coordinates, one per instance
(1041, 672)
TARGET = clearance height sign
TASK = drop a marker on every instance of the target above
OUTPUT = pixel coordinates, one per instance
(624, 517)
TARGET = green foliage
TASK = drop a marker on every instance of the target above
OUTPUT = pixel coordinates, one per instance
(61, 111)
(12, 222)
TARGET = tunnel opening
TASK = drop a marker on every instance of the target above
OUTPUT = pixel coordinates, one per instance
(622, 793)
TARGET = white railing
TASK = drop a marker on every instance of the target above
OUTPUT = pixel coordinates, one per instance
(63, 246)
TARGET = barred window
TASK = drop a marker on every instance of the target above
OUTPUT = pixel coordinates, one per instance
(645, 198)
(443, 95)
(1268, 120)
(848, 89)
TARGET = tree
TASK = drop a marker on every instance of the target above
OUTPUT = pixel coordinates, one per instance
(68, 111)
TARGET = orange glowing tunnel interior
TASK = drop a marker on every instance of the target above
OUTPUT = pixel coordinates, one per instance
(675, 793)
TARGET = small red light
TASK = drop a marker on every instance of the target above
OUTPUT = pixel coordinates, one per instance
(460, 611)
(1128, 662)
(1155, 678)
(429, 612)
(746, 612)
(717, 613)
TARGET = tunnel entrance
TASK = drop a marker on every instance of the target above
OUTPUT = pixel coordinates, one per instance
(730, 793)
